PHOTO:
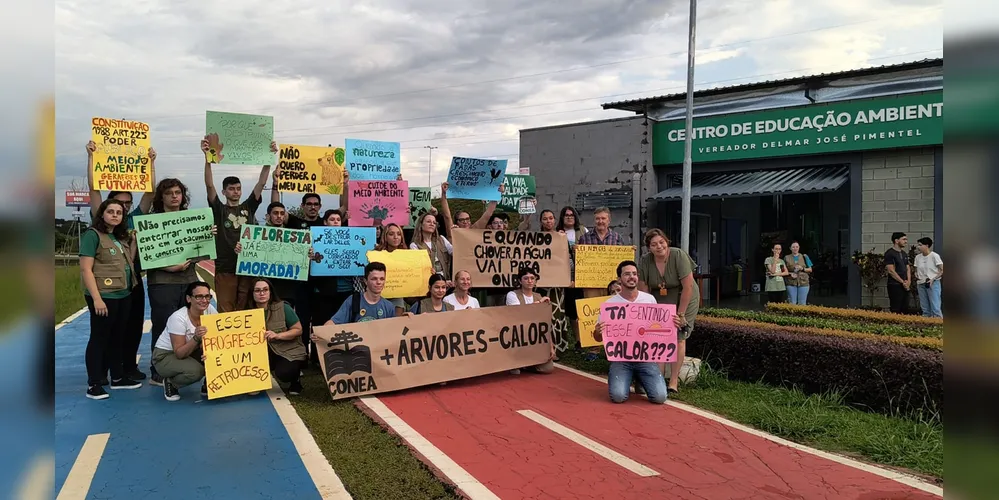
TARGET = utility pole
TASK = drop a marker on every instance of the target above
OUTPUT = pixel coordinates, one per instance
(430, 164)
(687, 140)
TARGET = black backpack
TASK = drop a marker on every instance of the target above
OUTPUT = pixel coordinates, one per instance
(355, 307)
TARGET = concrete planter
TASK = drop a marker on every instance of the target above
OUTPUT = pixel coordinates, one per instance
(688, 372)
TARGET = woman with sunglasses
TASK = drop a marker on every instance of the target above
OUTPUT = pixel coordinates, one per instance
(177, 355)
(285, 349)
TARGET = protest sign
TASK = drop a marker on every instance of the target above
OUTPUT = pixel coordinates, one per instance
(235, 349)
(239, 139)
(589, 312)
(341, 251)
(309, 169)
(527, 206)
(372, 160)
(373, 203)
(121, 161)
(641, 333)
(274, 252)
(171, 238)
(475, 179)
(360, 359)
(596, 265)
(407, 272)
(494, 258)
(515, 187)
(419, 204)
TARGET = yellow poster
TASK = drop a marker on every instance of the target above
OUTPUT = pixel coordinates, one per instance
(589, 313)
(596, 265)
(310, 169)
(406, 272)
(236, 353)
(121, 162)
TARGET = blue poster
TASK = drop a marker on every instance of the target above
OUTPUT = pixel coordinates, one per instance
(475, 178)
(372, 160)
(341, 251)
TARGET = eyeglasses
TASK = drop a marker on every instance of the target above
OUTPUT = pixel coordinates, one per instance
(464, 219)
(528, 278)
(202, 297)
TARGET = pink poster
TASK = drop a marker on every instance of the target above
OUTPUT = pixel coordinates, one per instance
(374, 203)
(640, 333)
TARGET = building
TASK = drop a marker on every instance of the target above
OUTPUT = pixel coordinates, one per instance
(835, 161)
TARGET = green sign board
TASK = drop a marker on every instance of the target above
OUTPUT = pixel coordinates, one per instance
(171, 238)
(887, 122)
(516, 187)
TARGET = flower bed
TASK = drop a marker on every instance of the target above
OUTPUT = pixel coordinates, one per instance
(918, 322)
(804, 319)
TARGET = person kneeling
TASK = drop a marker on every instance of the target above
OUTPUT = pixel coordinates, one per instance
(285, 349)
(177, 355)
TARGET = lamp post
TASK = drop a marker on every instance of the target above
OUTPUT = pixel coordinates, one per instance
(430, 164)
(687, 140)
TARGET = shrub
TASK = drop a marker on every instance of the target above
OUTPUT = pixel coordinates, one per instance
(882, 376)
(872, 270)
(919, 322)
(817, 322)
(916, 342)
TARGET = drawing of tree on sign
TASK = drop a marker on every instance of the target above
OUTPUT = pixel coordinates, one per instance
(375, 213)
(349, 359)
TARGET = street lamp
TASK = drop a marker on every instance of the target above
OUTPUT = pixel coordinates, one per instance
(430, 164)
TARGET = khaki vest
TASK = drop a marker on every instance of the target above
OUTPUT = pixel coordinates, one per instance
(292, 350)
(110, 265)
(438, 254)
(802, 279)
(427, 306)
(520, 296)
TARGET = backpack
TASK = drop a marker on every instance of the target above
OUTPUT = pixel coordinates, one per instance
(355, 307)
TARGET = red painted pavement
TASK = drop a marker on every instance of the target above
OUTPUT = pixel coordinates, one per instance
(208, 265)
(475, 423)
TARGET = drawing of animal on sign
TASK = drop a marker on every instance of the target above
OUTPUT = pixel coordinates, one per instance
(475, 179)
(375, 203)
(309, 169)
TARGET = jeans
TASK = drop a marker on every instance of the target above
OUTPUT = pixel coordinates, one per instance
(929, 299)
(620, 377)
(898, 297)
(797, 295)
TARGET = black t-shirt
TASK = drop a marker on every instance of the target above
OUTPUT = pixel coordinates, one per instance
(230, 220)
(294, 222)
(901, 262)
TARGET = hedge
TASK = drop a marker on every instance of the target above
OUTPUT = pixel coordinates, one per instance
(910, 320)
(881, 376)
(931, 343)
(807, 320)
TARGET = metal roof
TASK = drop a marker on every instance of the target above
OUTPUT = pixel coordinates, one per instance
(762, 182)
(638, 105)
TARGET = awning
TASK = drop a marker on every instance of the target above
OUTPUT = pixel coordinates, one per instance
(762, 183)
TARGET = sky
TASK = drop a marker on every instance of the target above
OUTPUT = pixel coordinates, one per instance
(462, 76)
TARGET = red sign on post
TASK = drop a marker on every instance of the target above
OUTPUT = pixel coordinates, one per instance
(77, 198)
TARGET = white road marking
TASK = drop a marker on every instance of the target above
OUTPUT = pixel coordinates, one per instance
(464, 481)
(147, 326)
(900, 477)
(589, 444)
(137, 358)
(70, 319)
(78, 481)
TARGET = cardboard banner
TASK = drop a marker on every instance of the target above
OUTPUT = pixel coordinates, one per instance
(236, 359)
(373, 160)
(78, 199)
(596, 265)
(589, 313)
(274, 252)
(640, 333)
(341, 251)
(407, 272)
(121, 161)
(495, 257)
(239, 139)
(419, 204)
(516, 187)
(373, 203)
(361, 359)
(172, 238)
(310, 169)
(475, 179)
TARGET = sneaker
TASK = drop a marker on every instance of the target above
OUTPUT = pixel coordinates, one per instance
(204, 390)
(97, 392)
(156, 379)
(170, 392)
(295, 388)
(125, 383)
(136, 375)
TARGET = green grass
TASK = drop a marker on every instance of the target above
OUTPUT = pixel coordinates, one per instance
(68, 292)
(828, 323)
(820, 421)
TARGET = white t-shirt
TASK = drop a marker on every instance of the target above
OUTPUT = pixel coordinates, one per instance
(512, 300)
(179, 323)
(927, 266)
(472, 303)
(643, 298)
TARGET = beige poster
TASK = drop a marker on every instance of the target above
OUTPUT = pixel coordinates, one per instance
(495, 257)
(385, 355)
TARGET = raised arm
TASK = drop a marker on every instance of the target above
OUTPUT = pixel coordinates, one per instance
(265, 172)
(146, 202)
(209, 181)
(490, 209)
(275, 194)
(95, 195)
(448, 219)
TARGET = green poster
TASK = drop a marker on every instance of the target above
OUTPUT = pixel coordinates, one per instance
(419, 204)
(238, 139)
(274, 252)
(171, 238)
(516, 187)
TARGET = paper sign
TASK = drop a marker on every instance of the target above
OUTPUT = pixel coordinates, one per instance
(121, 161)
(341, 251)
(596, 265)
(407, 272)
(172, 238)
(235, 353)
(494, 258)
(238, 139)
(274, 252)
(515, 187)
(475, 179)
(77, 198)
(360, 359)
(527, 206)
(641, 333)
(589, 312)
(419, 204)
(374, 203)
(372, 160)
(310, 169)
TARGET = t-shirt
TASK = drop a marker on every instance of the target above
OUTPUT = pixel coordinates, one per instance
(368, 312)
(230, 220)
(294, 222)
(679, 265)
(774, 283)
(513, 300)
(89, 243)
(290, 318)
(472, 303)
(901, 262)
(179, 323)
(643, 298)
(927, 266)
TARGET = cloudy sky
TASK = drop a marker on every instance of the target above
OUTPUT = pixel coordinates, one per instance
(464, 76)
